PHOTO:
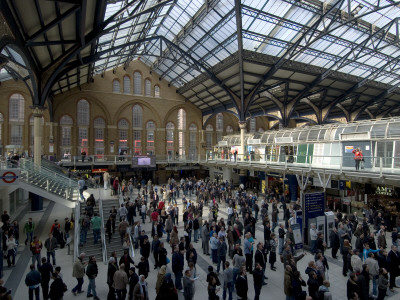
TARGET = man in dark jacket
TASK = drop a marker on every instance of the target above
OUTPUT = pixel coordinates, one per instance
(258, 277)
(394, 264)
(32, 281)
(335, 241)
(259, 258)
(241, 285)
(45, 270)
(177, 267)
(133, 280)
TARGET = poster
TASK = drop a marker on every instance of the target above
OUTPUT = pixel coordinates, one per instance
(51, 147)
(298, 242)
(348, 149)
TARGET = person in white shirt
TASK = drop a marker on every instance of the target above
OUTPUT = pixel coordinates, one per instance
(313, 237)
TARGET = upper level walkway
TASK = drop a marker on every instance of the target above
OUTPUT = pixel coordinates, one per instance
(373, 169)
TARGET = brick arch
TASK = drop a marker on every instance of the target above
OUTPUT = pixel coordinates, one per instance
(129, 105)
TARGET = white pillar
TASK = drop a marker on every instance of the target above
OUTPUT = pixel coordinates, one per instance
(242, 126)
(37, 131)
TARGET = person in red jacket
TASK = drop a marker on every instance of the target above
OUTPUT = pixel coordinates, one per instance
(358, 156)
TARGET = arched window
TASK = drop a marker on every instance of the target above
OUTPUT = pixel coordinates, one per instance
(150, 128)
(116, 86)
(229, 129)
(137, 129)
(123, 127)
(209, 136)
(156, 91)
(127, 84)
(32, 133)
(83, 113)
(220, 126)
(83, 123)
(137, 116)
(1, 133)
(170, 139)
(147, 88)
(99, 125)
(253, 125)
(192, 141)
(182, 131)
(66, 123)
(137, 83)
(16, 118)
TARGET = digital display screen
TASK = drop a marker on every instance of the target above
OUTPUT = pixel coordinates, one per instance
(144, 161)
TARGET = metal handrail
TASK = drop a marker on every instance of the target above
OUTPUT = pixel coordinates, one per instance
(103, 234)
(121, 201)
(77, 227)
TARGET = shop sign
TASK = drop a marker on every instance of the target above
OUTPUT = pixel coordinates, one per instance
(383, 190)
(99, 170)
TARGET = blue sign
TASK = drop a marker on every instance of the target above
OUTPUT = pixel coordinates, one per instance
(314, 205)
(342, 185)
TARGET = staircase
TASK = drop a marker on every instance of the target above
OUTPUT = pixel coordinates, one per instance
(115, 244)
(90, 248)
(47, 184)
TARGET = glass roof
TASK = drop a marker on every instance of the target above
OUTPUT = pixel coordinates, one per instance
(206, 34)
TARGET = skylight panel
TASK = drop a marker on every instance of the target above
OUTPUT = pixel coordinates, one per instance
(16, 57)
(277, 7)
(286, 34)
(272, 50)
(302, 16)
(250, 44)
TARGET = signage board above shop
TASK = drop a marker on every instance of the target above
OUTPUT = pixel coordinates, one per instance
(99, 170)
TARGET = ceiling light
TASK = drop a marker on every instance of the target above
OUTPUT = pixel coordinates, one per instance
(276, 89)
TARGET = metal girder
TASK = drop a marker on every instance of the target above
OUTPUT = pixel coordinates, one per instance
(39, 13)
(238, 12)
(356, 87)
(377, 99)
(53, 23)
(90, 38)
(307, 37)
(339, 64)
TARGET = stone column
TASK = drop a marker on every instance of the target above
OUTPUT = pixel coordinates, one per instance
(242, 126)
(37, 130)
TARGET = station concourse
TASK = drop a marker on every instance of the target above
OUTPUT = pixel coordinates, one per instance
(293, 100)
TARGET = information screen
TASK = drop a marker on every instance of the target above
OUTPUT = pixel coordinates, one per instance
(144, 162)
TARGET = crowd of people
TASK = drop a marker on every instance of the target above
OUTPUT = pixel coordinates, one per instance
(370, 264)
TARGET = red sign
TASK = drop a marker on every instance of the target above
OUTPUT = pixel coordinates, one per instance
(9, 177)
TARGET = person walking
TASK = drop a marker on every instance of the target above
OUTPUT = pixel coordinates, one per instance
(228, 281)
(36, 248)
(357, 157)
(78, 272)
(112, 268)
(205, 238)
(96, 226)
(11, 250)
(188, 286)
(91, 273)
(106, 178)
(45, 270)
(81, 187)
(109, 229)
(122, 229)
(177, 267)
(120, 280)
(133, 280)
(32, 281)
(29, 228)
(222, 250)
(51, 244)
